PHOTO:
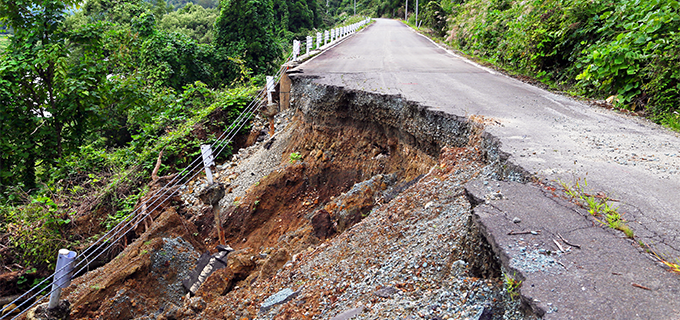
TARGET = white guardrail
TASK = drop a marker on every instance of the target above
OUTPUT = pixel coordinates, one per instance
(67, 265)
(329, 37)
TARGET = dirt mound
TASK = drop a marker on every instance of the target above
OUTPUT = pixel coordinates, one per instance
(142, 279)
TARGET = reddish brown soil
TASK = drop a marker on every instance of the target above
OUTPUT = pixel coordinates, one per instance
(333, 159)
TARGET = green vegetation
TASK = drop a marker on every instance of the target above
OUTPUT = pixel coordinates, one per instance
(4, 42)
(624, 48)
(179, 4)
(193, 21)
(295, 156)
(512, 285)
(88, 100)
(598, 206)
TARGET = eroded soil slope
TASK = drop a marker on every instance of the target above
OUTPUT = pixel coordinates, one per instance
(347, 211)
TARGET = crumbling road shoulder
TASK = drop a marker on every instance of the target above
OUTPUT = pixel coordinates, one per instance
(570, 266)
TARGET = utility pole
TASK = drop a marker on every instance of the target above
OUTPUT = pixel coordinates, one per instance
(355, 7)
(406, 12)
(416, 13)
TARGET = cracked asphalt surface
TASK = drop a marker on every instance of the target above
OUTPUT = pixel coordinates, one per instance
(553, 137)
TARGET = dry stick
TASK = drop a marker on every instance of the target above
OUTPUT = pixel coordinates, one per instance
(154, 173)
(563, 266)
(567, 242)
(640, 286)
(558, 245)
(512, 232)
(154, 178)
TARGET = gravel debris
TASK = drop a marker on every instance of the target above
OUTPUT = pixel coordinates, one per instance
(174, 255)
(405, 260)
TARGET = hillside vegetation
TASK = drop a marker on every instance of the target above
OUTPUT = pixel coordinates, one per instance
(629, 49)
(89, 99)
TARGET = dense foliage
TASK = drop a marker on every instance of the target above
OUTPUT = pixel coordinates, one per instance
(90, 96)
(600, 48)
(192, 20)
(179, 4)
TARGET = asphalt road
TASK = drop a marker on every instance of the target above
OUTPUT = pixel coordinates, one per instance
(552, 136)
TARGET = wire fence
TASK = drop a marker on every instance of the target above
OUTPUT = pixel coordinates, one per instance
(103, 244)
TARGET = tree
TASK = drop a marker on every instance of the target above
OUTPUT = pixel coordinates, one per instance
(116, 11)
(244, 30)
(193, 21)
(49, 91)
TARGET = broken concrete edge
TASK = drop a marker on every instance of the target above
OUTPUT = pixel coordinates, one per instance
(427, 129)
(527, 302)
(290, 295)
(349, 314)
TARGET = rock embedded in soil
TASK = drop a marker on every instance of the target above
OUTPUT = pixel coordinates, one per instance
(386, 292)
(278, 298)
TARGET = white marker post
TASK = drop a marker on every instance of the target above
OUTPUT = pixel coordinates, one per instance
(208, 161)
(62, 276)
(296, 49)
(309, 44)
(332, 34)
(270, 89)
(326, 35)
(318, 40)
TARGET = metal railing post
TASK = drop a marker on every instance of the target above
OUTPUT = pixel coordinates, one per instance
(208, 161)
(309, 44)
(62, 275)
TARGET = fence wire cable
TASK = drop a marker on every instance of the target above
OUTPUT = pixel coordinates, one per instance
(84, 258)
(231, 133)
(238, 124)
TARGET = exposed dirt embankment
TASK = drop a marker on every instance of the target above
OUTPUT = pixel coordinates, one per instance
(355, 208)
(414, 124)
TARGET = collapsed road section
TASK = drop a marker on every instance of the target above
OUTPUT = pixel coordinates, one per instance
(355, 208)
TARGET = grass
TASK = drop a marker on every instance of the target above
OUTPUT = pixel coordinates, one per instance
(598, 206)
(671, 120)
(512, 286)
(672, 266)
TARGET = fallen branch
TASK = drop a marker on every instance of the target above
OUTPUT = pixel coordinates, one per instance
(640, 286)
(563, 266)
(512, 232)
(558, 245)
(567, 242)
(154, 173)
